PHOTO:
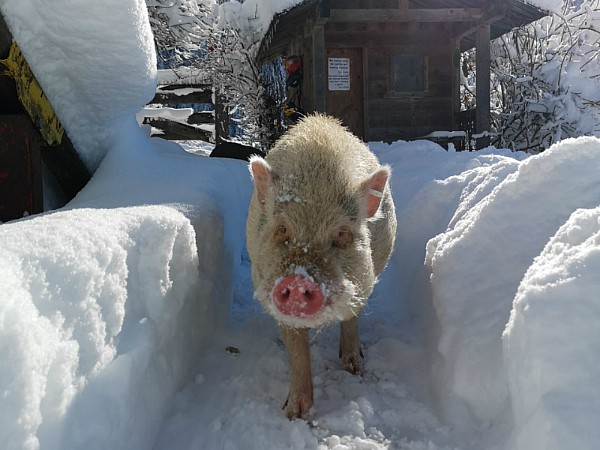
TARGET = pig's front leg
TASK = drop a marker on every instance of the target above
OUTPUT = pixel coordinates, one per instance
(300, 397)
(350, 352)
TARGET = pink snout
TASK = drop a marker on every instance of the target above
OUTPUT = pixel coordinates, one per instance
(296, 295)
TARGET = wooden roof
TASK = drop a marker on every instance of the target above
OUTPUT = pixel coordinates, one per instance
(502, 15)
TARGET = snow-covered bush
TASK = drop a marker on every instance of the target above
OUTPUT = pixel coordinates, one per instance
(222, 40)
(241, 81)
(180, 29)
(545, 79)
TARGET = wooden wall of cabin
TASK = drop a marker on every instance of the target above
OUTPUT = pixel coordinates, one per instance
(390, 114)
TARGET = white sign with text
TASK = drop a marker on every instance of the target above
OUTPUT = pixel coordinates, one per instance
(339, 74)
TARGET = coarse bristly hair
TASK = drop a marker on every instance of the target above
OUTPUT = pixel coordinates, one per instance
(317, 181)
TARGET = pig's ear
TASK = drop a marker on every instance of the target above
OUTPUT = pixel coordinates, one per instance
(372, 189)
(262, 176)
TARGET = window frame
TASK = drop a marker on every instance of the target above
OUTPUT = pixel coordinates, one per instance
(392, 92)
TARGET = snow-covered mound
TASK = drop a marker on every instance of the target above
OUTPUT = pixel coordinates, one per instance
(478, 267)
(103, 312)
(552, 338)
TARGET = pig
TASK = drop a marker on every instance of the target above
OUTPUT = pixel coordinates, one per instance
(321, 228)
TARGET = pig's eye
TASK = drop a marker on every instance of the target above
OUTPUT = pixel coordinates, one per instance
(343, 237)
(281, 234)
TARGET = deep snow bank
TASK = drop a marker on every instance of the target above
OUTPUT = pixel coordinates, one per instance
(429, 186)
(476, 268)
(552, 341)
(102, 315)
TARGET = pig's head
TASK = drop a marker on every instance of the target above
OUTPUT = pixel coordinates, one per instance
(313, 263)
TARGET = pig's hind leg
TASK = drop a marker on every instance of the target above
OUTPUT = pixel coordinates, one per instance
(350, 352)
(300, 398)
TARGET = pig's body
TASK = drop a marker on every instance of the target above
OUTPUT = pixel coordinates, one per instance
(321, 228)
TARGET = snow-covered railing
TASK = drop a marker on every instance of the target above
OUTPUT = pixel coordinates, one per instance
(455, 140)
(181, 111)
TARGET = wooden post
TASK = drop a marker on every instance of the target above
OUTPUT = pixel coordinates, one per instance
(318, 48)
(221, 117)
(482, 91)
(456, 69)
(20, 168)
(66, 166)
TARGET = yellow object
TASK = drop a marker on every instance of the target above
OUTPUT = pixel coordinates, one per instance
(32, 97)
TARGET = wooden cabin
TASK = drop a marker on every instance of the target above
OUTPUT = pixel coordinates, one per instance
(389, 69)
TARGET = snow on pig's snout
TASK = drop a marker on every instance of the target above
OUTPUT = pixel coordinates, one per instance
(297, 295)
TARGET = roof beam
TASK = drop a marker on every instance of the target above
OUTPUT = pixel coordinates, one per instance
(406, 15)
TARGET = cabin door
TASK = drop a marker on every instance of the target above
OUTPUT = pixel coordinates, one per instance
(344, 87)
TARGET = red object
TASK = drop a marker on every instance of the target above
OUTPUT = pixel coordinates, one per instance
(292, 64)
(296, 295)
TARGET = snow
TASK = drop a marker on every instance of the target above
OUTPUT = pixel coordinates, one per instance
(472, 307)
(94, 317)
(176, 114)
(127, 319)
(547, 5)
(252, 16)
(560, 288)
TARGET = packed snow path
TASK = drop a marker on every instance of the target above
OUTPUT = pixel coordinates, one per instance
(236, 399)
(236, 392)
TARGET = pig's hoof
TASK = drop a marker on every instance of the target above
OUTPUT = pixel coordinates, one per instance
(298, 408)
(353, 363)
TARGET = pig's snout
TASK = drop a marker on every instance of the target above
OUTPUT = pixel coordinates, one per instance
(295, 295)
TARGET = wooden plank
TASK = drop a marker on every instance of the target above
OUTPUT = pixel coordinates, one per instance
(365, 99)
(32, 97)
(347, 105)
(324, 11)
(9, 102)
(180, 131)
(409, 119)
(395, 133)
(201, 118)
(456, 69)
(5, 39)
(377, 38)
(393, 109)
(482, 78)
(20, 171)
(408, 15)
(318, 69)
(171, 98)
(175, 87)
(64, 163)
(432, 29)
(221, 118)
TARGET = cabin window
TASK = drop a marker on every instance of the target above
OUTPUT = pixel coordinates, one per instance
(408, 73)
